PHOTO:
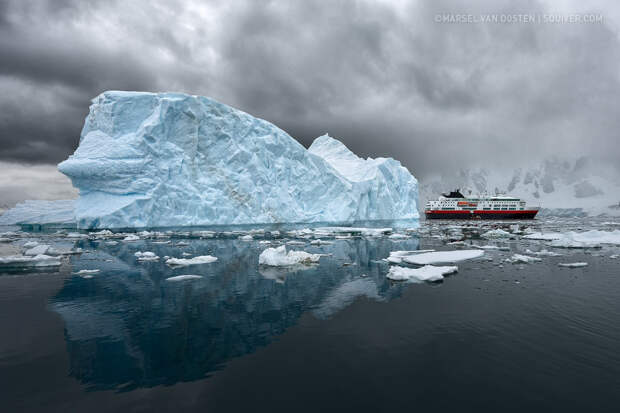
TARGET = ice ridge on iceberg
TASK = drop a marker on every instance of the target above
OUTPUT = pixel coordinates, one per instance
(167, 159)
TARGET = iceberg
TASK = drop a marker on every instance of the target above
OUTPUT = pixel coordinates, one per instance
(183, 262)
(168, 159)
(41, 212)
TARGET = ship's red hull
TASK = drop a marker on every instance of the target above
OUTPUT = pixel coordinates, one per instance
(481, 214)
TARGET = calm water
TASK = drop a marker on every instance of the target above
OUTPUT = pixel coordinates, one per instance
(329, 337)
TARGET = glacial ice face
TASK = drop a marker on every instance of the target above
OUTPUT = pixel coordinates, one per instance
(155, 160)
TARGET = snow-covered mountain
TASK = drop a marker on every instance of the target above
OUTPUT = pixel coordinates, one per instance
(559, 186)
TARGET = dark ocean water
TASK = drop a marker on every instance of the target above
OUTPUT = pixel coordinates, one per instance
(330, 337)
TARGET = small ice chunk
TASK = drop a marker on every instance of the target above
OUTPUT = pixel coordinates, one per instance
(443, 256)
(486, 247)
(278, 257)
(184, 277)
(201, 259)
(496, 233)
(549, 236)
(573, 264)
(614, 256)
(146, 256)
(426, 273)
(543, 253)
(82, 272)
(76, 235)
(320, 242)
(293, 242)
(131, 237)
(39, 249)
(30, 244)
(522, 259)
(246, 238)
(398, 236)
(111, 242)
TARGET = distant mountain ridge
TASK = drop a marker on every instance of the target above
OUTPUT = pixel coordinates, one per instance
(558, 186)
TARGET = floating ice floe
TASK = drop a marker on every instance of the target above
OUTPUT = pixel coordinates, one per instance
(38, 250)
(396, 257)
(131, 237)
(184, 277)
(496, 233)
(522, 259)
(279, 257)
(293, 242)
(587, 239)
(182, 262)
(614, 256)
(246, 237)
(573, 264)
(30, 244)
(146, 256)
(548, 236)
(426, 273)
(543, 253)
(41, 260)
(438, 257)
(76, 235)
(320, 242)
(83, 272)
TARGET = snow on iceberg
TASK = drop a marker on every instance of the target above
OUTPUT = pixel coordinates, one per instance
(438, 257)
(156, 160)
(279, 257)
(426, 273)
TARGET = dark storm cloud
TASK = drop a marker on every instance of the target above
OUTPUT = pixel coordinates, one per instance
(382, 76)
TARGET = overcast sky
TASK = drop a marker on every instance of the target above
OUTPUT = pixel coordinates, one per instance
(383, 76)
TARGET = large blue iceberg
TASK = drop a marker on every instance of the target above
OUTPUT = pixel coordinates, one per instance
(169, 159)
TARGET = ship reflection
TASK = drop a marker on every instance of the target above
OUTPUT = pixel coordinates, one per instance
(127, 327)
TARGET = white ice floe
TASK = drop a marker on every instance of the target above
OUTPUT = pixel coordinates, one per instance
(201, 259)
(396, 257)
(83, 272)
(30, 244)
(26, 261)
(587, 239)
(111, 242)
(546, 236)
(426, 273)
(614, 256)
(38, 250)
(442, 256)
(279, 257)
(398, 236)
(496, 233)
(246, 237)
(293, 242)
(320, 242)
(522, 259)
(184, 277)
(131, 237)
(573, 264)
(146, 256)
(543, 253)
(76, 235)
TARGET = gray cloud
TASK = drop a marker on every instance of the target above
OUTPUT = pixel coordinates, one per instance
(382, 76)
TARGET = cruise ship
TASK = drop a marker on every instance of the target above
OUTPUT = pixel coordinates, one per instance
(455, 205)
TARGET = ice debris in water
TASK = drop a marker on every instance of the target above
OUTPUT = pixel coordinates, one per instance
(131, 237)
(171, 159)
(146, 256)
(496, 233)
(573, 264)
(279, 257)
(543, 253)
(442, 257)
(37, 250)
(182, 262)
(426, 273)
(184, 277)
(522, 259)
(41, 260)
(83, 272)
